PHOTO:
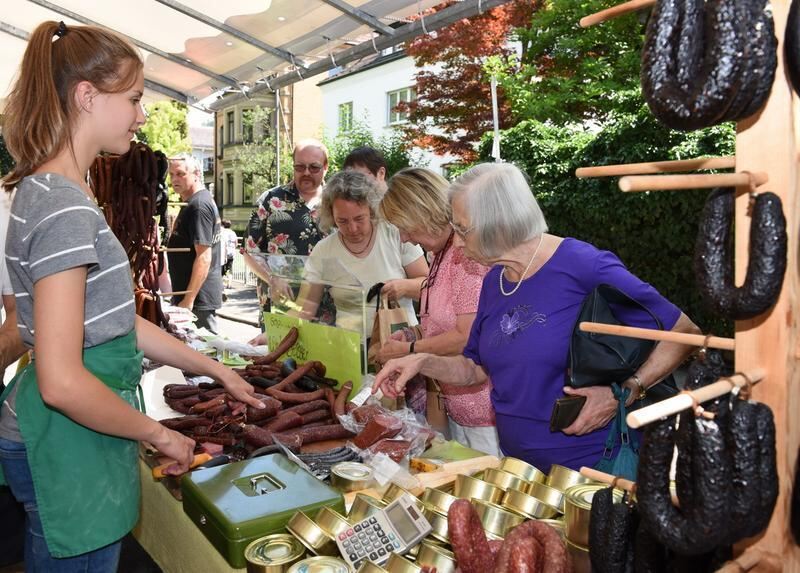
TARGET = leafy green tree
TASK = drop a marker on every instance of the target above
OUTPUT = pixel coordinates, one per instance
(167, 128)
(652, 233)
(571, 74)
(396, 151)
(257, 157)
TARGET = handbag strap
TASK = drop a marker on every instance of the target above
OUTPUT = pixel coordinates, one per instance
(620, 426)
(615, 296)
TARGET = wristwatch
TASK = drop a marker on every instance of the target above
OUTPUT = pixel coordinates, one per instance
(642, 389)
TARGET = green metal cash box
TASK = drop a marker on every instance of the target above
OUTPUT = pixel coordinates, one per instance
(239, 502)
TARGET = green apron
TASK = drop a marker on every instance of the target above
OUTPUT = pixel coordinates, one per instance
(86, 483)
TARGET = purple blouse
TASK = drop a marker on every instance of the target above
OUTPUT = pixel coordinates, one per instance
(522, 341)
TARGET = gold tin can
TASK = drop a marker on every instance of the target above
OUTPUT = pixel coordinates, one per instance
(563, 478)
(322, 564)
(399, 564)
(557, 524)
(316, 539)
(273, 553)
(438, 521)
(364, 506)
(504, 480)
(581, 563)
(528, 505)
(331, 521)
(438, 499)
(351, 476)
(470, 488)
(578, 508)
(370, 567)
(434, 555)
(549, 495)
(394, 492)
(495, 519)
(522, 469)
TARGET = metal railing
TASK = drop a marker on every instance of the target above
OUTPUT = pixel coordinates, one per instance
(240, 273)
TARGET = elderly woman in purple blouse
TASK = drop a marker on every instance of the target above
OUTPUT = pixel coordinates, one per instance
(528, 306)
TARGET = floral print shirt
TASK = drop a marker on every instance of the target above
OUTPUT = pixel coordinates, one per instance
(282, 224)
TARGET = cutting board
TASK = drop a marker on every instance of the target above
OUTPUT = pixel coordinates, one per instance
(445, 475)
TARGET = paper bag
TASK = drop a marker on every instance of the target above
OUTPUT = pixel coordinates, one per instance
(387, 321)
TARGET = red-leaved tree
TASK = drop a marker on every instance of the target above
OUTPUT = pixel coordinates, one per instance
(453, 108)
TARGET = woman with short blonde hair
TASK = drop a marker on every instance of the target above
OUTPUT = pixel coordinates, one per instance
(416, 202)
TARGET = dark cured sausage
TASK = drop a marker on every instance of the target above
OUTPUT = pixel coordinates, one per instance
(611, 532)
(307, 407)
(285, 344)
(271, 407)
(318, 434)
(703, 522)
(713, 262)
(470, 546)
(341, 398)
(285, 421)
(791, 45)
(691, 60)
(290, 398)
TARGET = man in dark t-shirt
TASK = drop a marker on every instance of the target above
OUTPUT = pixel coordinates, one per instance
(197, 228)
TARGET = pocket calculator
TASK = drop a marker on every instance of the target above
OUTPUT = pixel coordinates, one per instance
(395, 529)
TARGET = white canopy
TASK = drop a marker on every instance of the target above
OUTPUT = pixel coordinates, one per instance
(194, 48)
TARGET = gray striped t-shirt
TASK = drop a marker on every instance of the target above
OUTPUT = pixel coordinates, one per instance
(54, 227)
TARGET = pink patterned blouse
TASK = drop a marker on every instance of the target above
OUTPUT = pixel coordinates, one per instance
(454, 290)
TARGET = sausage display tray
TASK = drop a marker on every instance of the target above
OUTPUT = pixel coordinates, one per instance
(236, 503)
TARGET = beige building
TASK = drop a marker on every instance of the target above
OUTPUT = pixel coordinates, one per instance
(300, 118)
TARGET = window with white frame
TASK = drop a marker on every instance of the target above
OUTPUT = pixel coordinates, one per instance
(345, 117)
(393, 99)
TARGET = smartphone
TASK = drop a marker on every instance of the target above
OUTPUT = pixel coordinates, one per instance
(565, 411)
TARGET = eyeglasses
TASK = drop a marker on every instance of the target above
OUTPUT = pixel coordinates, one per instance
(460, 231)
(311, 167)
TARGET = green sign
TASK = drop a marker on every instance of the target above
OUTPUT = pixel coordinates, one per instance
(337, 348)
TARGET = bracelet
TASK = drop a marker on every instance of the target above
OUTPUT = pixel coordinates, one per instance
(640, 385)
(411, 347)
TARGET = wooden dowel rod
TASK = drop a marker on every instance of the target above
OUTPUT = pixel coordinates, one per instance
(655, 167)
(665, 335)
(746, 561)
(614, 11)
(694, 181)
(176, 250)
(177, 292)
(684, 401)
(177, 204)
(603, 477)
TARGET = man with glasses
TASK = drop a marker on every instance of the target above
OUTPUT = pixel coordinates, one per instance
(285, 218)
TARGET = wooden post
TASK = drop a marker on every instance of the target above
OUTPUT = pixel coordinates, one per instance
(767, 143)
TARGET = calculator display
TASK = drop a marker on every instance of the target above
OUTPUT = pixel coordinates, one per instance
(402, 523)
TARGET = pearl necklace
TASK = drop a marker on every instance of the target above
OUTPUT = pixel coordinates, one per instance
(522, 276)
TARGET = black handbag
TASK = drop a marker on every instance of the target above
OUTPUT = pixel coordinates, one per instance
(603, 359)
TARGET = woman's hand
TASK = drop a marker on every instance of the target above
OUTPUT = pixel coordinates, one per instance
(238, 388)
(395, 374)
(176, 446)
(391, 349)
(398, 288)
(598, 410)
(259, 340)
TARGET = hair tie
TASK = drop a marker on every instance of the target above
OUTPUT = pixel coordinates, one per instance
(61, 31)
(747, 390)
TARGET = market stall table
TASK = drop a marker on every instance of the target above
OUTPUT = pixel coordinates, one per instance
(169, 536)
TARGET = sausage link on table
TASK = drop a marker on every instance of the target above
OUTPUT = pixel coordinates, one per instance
(470, 546)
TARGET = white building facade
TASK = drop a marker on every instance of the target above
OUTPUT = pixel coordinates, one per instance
(369, 94)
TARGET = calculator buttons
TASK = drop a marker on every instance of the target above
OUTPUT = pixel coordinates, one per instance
(342, 536)
(372, 520)
(381, 552)
(384, 540)
(373, 556)
(350, 533)
(357, 528)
